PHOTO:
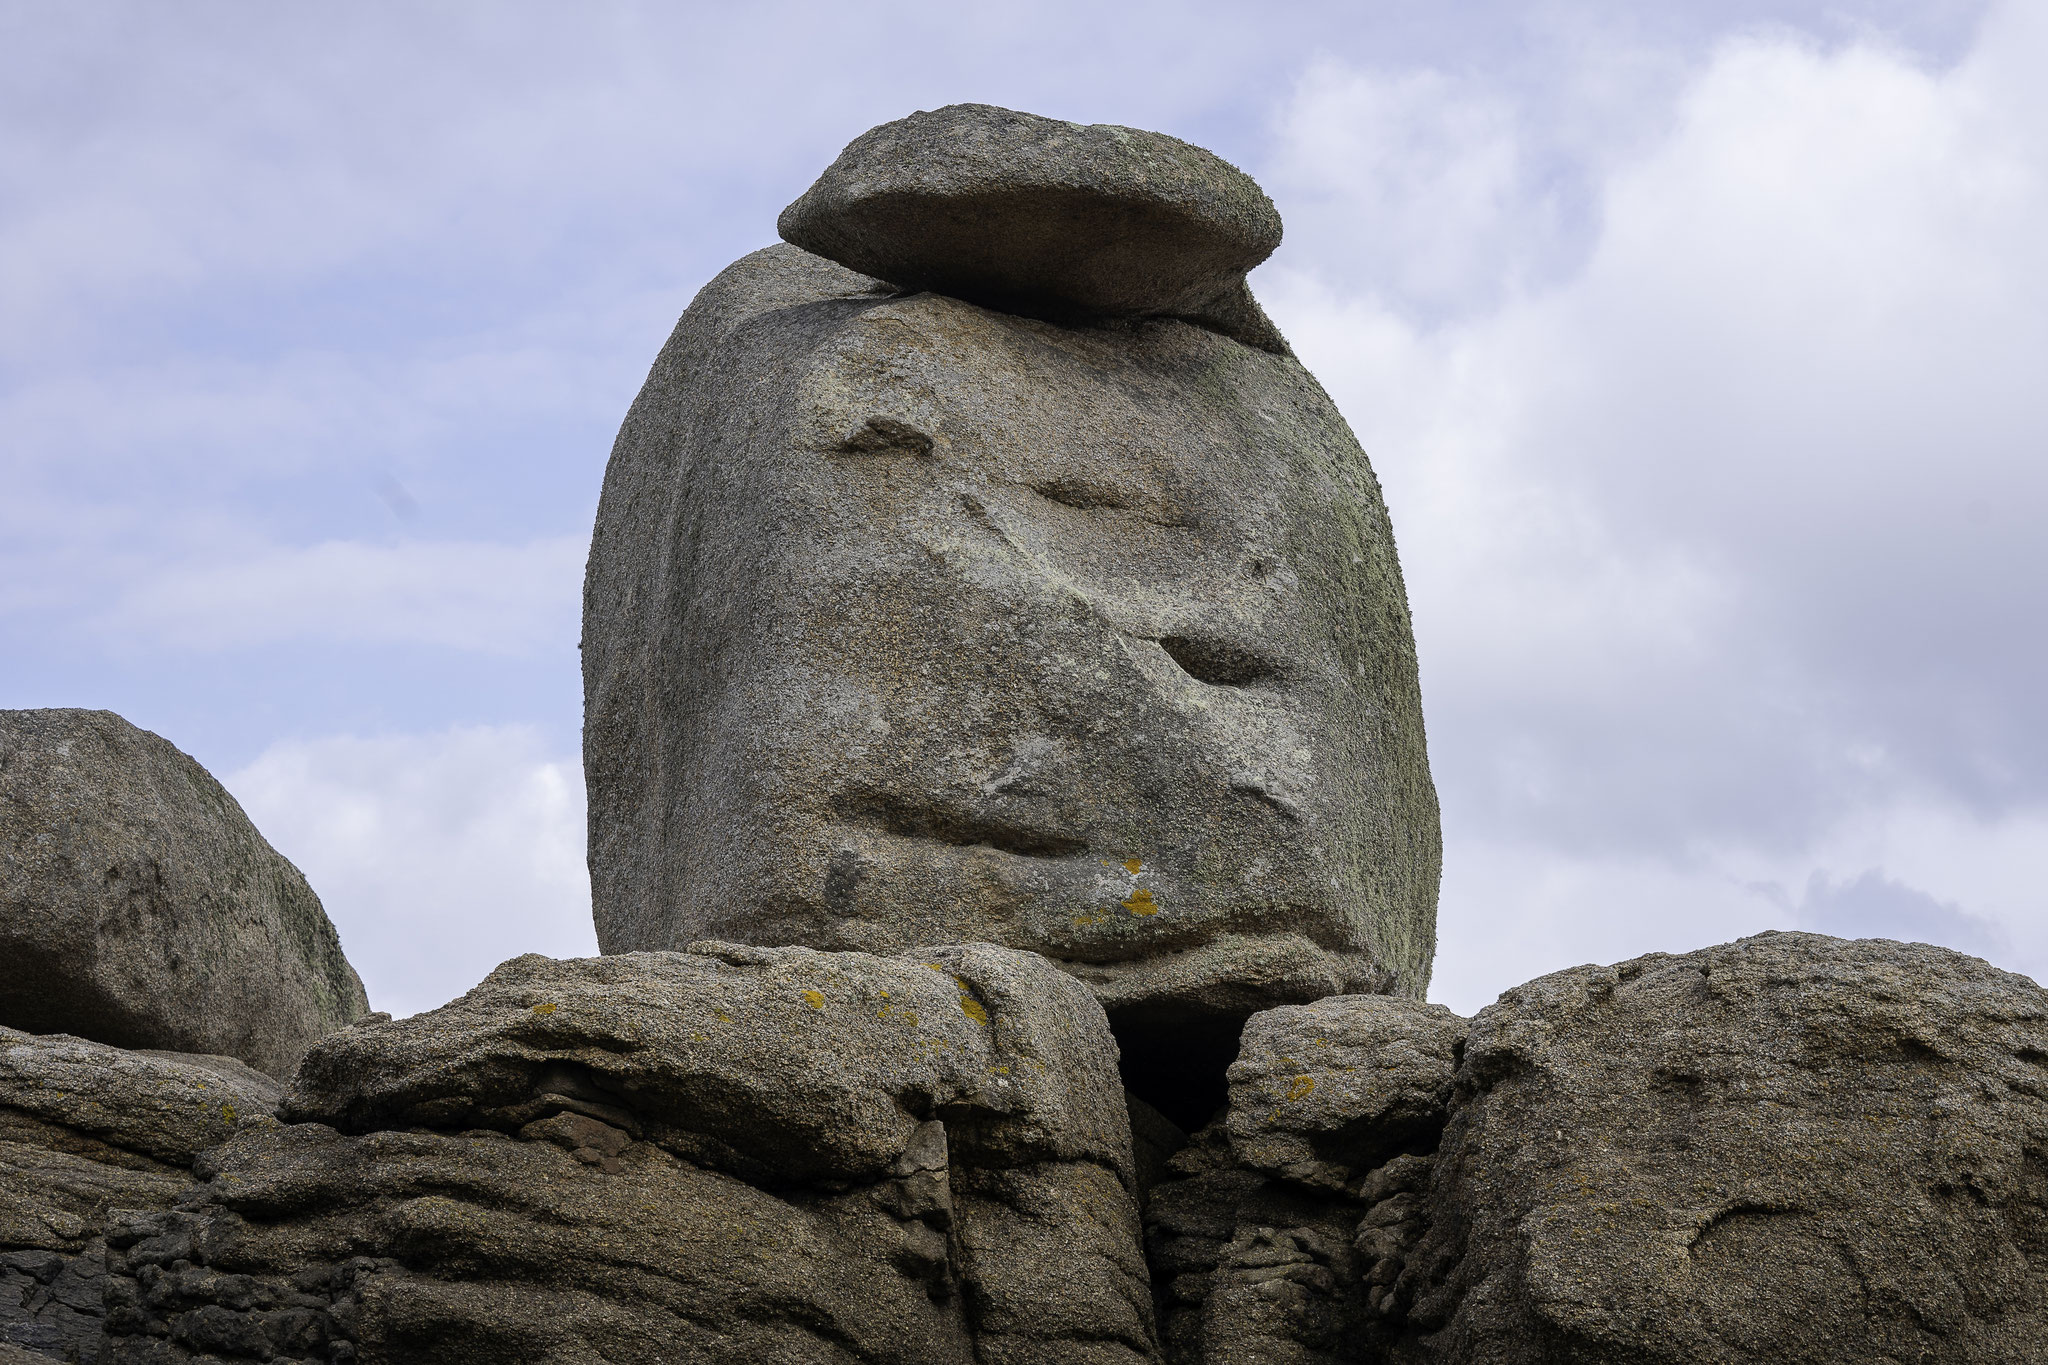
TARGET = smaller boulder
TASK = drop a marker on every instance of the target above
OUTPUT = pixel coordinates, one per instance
(1067, 221)
(140, 907)
(1322, 1094)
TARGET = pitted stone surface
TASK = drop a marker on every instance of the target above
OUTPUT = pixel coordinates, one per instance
(1322, 1094)
(1046, 218)
(1791, 1148)
(139, 907)
(910, 621)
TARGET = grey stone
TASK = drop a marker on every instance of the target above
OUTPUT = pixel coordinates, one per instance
(1323, 1094)
(1787, 1149)
(1041, 217)
(85, 1130)
(1791, 1149)
(1273, 1229)
(139, 907)
(164, 1107)
(910, 621)
(734, 1154)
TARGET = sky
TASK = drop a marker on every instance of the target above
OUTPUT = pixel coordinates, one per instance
(1701, 349)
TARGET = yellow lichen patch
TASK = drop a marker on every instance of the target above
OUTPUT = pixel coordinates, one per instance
(227, 1111)
(1084, 921)
(1141, 902)
(814, 999)
(1302, 1087)
(548, 1008)
(1133, 866)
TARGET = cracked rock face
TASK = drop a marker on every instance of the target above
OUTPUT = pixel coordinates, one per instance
(733, 1155)
(911, 620)
(139, 907)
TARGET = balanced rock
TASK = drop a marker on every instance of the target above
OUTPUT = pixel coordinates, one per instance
(1050, 219)
(730, 1155)
(1787, 1149)
(86, 1129)
(139, 907)
(913, 620)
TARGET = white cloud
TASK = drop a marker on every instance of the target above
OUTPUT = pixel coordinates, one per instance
(437, 856)
(497, 599)
(1722, 543)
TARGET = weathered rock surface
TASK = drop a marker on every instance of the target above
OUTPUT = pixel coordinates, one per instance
(1787, 1149)
(139, 907)
(1045, 218)
(86, 1129)
(1276, 1226)
(734, 1154)
(912, 621)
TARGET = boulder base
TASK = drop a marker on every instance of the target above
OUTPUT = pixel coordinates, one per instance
(729, 1155)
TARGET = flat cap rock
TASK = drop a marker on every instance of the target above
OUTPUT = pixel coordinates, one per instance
(140, 907)
(1037, 216)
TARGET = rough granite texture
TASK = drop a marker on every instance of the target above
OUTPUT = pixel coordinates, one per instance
(911, 621)
(1272, 1230)
(139, 906)
(1044, 218)
(86, 1129)
(1787, 1149)
(729, 1155)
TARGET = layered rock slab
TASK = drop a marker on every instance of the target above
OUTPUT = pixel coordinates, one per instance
(140, 907)
(909, 620)
(734, 1154)
(87, 1130)
(1791, 1148)
(1030, 215)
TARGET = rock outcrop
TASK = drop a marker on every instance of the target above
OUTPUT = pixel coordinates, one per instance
(730, 1155)
(1022, 588)
(913, 620)
(87, 1129)
(1787, 1149)
(139, 907)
